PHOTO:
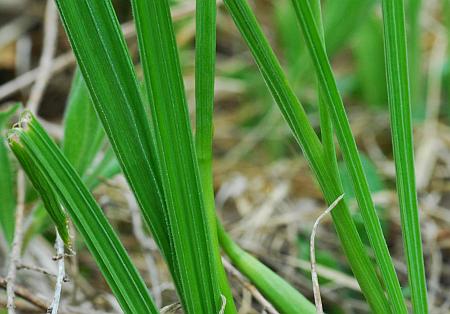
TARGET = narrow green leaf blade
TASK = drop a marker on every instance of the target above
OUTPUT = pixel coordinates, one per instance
(107, 68)
(49, 198)
(205, 57)
(402, 140)
(350, 153)
(31, 144)
(296, 117)
(7, 194)
(192, 240)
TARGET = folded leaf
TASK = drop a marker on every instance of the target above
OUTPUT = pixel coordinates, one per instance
(7, 190)
(191, 231)
(36, 151)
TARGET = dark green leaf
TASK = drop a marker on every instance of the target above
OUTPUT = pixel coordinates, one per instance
(45, 163)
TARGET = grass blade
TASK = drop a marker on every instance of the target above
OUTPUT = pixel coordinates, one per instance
(350, 153)
(83, 134)
(281, 294)
(193, 243)
(106, 66)
(414, 57)
(326, 125)
(205, 57)
(31, 144)
(7, 194)
(50, 201)
(296, 117)
(402, 140)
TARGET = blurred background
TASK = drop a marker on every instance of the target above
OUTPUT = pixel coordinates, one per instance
(264, 191)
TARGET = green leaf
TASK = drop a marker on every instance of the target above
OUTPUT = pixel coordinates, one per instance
(45, 163)
(350, 153)
(193, 243)
(107, 68)
(107, 168)
(83, 134)
(295, 116)
(49, 197)
(402, 141)
(205, 57)
(7, 190)
(279, 292)
(414, 57)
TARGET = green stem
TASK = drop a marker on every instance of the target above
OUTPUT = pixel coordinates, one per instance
(283, 296)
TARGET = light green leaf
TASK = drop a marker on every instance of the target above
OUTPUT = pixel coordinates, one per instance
(7, 190)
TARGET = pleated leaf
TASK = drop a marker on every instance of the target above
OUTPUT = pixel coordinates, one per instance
(100, 49)
(7, 190)
(192, 241)
(44, 162)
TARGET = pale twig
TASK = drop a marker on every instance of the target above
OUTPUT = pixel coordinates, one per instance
(48, 51)
(36, 269)
(59, 245)
(14, 29)
(315, 279)
(337, 277)
(25, 294)
(17, 242)
(252, 289)
(26, 79)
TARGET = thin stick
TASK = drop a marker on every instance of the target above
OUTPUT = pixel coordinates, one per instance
(35, 269)
(252, 289)
(17, 243)
(25, 294)
(59, 245)
(315, 279)
(48, 51)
